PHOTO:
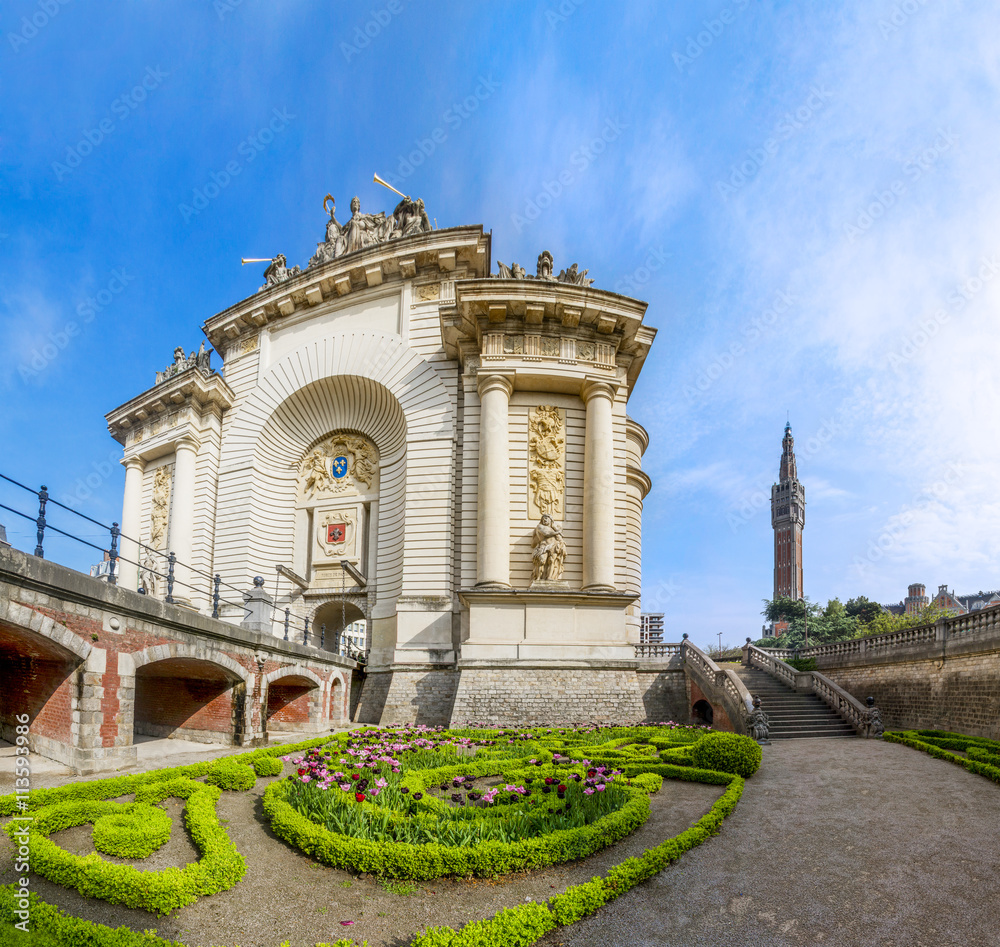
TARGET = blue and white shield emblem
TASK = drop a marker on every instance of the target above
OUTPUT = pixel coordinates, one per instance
(339, 468)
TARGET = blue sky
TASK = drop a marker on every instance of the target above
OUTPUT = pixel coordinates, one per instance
(805, 193)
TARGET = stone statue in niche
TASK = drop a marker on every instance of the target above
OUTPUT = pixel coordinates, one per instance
(548, 551)
(161, 507)
(148, 575)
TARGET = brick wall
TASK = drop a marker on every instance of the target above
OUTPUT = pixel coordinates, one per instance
(42, 689)
(183, 706)
(288, 705)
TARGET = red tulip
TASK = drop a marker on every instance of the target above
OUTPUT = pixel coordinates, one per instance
(360, 796)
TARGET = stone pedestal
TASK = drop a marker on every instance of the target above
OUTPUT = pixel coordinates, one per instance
(257, 609)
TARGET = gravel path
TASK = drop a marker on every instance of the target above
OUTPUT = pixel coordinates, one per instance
(840, 842)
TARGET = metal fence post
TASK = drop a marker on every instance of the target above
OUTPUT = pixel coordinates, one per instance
(171, 561)
(322, 635)
(43, 498)
(305, 630)
(215, 595)
(287, 613)
(113, 555)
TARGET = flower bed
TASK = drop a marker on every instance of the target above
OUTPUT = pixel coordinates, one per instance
(413, 804)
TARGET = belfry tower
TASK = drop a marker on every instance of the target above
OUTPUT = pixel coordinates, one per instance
(788, 516)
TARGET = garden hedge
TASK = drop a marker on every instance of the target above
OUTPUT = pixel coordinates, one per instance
(920, 740)
(727, 753)
(219, 868)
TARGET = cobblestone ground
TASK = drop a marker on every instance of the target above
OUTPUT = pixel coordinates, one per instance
(840, 842)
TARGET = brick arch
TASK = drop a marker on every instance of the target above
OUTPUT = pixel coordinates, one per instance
(292, 670)
(27, 619)
(164, 652)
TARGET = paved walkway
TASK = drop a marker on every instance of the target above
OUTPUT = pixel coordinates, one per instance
(839, 842)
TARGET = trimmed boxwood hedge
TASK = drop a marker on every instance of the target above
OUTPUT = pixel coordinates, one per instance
(727, 753)
(917, 740)
(220, 867)
(135, 831)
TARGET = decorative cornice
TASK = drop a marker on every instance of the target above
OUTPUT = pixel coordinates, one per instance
(450, 253)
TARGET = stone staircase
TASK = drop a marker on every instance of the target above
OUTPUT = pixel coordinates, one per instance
(790, 714)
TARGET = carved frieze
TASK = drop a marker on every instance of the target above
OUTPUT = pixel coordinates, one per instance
(160, 511)
(344, 463)
(546, 462)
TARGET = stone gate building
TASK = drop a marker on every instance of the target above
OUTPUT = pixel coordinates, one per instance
(397, 436)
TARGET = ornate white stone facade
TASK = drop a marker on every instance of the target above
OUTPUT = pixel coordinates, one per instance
(399, 409)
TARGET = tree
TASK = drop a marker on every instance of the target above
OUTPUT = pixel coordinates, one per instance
(785, 609)
(886, 622)
(863, 609)
(807, 621)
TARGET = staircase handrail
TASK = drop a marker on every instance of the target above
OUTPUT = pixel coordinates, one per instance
(844, 704)
(732, 691)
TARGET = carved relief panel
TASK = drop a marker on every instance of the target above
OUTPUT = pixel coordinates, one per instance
(160, 508)
(343, 464)
(338, 534)
(546, 462)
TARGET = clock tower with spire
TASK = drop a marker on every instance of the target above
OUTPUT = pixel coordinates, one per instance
(788, 516)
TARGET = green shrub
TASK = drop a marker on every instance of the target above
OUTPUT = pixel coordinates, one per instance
(135, 832)
(802, 664)
(727, 753)
(266, 765)
(229, 774)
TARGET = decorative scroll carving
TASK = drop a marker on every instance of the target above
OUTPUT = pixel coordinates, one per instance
(544, 271)
(546, 461)
(161, 508)
(338, 465)
(368, 230)
(585, 351)
(200, 359)
(548, 551)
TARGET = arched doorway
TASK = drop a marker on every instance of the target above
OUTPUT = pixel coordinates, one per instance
(190, 699)
(292, 702)
(702, 713)
(38, 679)
(346, 628)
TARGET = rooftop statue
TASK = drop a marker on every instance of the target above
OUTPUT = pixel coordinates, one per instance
(200, 359)
(368, 230)
(278, 271)
(543, 271)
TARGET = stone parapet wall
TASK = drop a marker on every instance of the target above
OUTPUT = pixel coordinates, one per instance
(515, 696)
(960, 694)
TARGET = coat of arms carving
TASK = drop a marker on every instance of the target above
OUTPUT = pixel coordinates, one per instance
(343, 463)
(546, 461)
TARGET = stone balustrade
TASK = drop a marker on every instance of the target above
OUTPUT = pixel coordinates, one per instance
(656, 652)
(719, 686)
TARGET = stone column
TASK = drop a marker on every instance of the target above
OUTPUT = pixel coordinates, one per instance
(493, 539)
(599, 487)
(182, 519)
(128, 571)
